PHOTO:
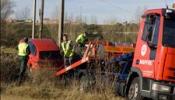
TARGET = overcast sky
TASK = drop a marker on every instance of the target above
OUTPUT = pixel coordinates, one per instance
(101, 10)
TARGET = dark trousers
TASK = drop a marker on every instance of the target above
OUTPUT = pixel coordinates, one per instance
(81, 49)
(67, 61)
(23, 66)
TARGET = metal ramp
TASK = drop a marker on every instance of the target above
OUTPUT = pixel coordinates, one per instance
(76, 64)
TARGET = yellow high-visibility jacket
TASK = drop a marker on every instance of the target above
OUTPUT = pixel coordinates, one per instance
(22, 49)
(81, 39)
(67, 49)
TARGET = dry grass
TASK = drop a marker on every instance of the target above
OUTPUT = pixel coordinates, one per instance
(8, 50)
(52, 93)
(9, 67)
(42, 87)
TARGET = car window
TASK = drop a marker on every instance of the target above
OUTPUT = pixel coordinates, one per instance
(49, 55)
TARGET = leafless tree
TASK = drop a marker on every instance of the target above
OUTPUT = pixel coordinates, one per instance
(23, 14)
(6, 9)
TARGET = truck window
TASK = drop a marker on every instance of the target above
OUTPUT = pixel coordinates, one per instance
(151, 32)
(151, 29)
(53, 55)
(169, 31)
(154, 37)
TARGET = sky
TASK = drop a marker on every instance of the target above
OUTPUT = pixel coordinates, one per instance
(101, 11)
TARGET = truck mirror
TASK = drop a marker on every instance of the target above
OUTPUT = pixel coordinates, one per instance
(168, 13)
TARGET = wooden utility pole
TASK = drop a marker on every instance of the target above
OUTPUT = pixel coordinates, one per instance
(34, 19)
(41, 14)
(61, 23)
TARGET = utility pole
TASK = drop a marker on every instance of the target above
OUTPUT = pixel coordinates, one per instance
(34, 19)
(61, 23)
(41, 14)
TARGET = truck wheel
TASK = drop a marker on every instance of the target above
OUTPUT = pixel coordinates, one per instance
(119, 88)
(134, 90)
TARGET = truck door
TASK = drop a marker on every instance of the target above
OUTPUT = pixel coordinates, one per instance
(151, 34)
(145, 53)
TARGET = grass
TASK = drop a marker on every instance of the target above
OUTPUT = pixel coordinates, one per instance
(42, 87)
(52, 93)
(8, 50)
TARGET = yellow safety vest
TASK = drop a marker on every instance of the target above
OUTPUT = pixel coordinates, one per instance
(22, 49)
(81, 39)
(68, 51)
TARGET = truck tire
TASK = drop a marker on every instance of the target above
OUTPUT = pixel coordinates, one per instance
(119, 88)
(134, 90)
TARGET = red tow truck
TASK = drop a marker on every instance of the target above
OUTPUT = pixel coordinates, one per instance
(152, 71)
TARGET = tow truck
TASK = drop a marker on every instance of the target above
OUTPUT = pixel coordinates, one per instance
(151, 73)
(148, 72)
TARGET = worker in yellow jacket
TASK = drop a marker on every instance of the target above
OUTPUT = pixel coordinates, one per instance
(68, 50)
(81, 39)
(23, 53)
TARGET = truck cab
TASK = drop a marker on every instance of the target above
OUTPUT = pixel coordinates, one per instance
(44, 53)
(152, 73)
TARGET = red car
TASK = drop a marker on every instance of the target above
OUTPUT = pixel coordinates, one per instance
(44, 53)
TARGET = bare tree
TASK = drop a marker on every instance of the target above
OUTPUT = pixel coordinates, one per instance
(23, 14)
(6, 9)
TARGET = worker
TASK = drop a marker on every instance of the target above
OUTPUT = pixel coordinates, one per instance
(68, 50)
(23, 53)
(81, 39)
